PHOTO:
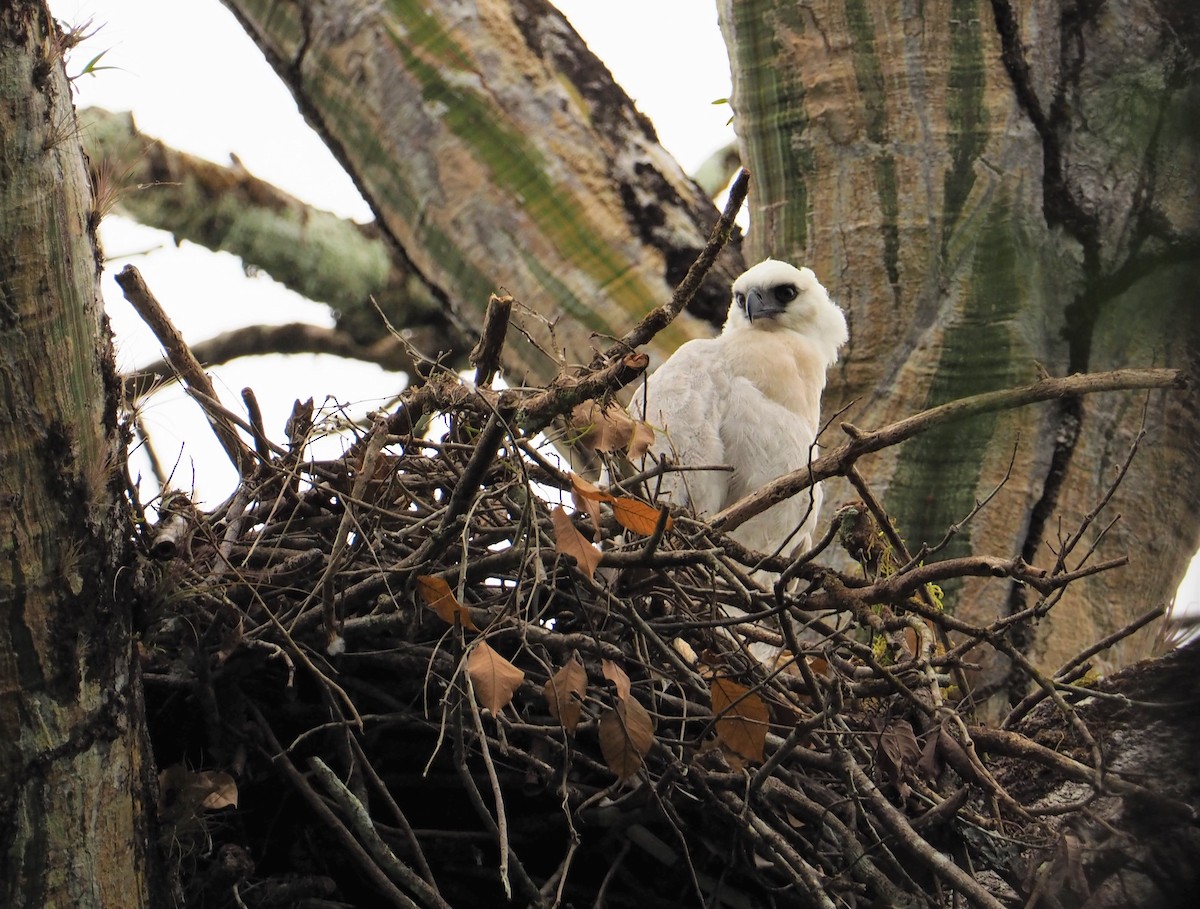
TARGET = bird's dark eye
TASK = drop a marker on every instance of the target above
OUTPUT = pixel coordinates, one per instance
(785, 293)
(740, 300)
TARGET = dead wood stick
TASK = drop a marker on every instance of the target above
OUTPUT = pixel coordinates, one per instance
(1062, 674)
(364, 830)
(894, 821)
(838, 461)
(485, 355)
(294, 337)
(182, 360)
(533, 410)
(1013, 744)
(371, 870)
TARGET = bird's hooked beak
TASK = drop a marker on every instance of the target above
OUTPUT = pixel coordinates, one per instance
(762, 306)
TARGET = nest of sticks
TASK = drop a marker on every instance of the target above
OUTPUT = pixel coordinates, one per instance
(408, 677)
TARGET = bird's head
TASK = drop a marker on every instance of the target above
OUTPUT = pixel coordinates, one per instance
(774, 296)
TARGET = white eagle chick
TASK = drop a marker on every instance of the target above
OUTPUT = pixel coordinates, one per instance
(750, 399)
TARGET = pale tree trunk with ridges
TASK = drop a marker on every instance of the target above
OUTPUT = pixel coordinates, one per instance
(74, 769)
(497, 152)
(987, 189)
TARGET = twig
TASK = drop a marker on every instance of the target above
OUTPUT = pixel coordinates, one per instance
(894, 821)
(185, 363)
(364, 830)
(658, 319)
(505, 847)
(838, 461)
(362, 858)
(1034, 698)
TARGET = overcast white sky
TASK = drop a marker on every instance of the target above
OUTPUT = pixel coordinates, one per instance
(193, 79)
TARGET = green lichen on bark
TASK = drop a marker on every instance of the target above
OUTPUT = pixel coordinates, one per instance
(446, 76)
(770, 120)
(869, 77)
(966, 117)
(938, 473)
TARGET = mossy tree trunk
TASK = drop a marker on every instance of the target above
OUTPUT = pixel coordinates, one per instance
(75, 775)
(497, 151)
(986, 187)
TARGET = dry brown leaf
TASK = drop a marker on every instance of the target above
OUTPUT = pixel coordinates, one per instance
(626, 735)
(603, 428)
(636, 515)
(617, 676)
(183, 792)
(641, 440)
(565, 692)
(590, 507)
(898, 753)
(440, 598)
(494, 678)
(569, 541)
(742, 718)
(587, 490)
(220, 790)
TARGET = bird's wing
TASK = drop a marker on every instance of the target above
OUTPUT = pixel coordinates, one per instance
(764, 441)
(684, 402)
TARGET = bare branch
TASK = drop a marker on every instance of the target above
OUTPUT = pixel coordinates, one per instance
(839, 460)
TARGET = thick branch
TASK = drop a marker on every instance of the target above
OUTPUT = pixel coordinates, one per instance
(295, 337)
(185, 363)
(840, 459)
(319, 255)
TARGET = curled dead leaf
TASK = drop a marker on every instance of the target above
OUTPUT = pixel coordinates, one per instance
(641, 440)
(565, 691)
(626, 736)
(898, 753)
(604, 428)
(617, 676)
(569, 541)
(742, 718)
(636, 515)
(494, 679)
(438, 596)
(588, 490)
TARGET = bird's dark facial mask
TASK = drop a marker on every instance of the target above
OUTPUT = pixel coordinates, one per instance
(768, 304)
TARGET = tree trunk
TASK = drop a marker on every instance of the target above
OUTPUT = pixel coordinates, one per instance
(987, 187)
(75, 773)
(496, 152)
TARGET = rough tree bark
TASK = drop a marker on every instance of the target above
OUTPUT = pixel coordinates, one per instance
(75, 774)
(496, 151)
(986, 187)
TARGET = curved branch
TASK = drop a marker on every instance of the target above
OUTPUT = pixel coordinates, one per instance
(319, 255)
(295, 337)
(838, 461)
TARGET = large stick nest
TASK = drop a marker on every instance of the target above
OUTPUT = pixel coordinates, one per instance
(397, 678)
(408, 677)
